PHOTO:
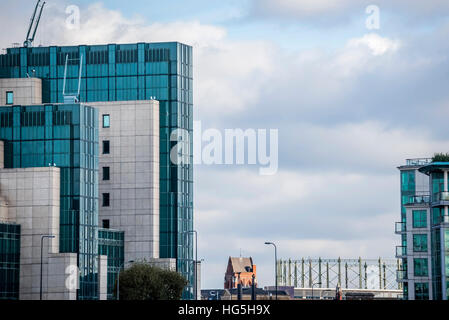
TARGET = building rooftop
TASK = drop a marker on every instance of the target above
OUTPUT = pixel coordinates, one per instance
(241, 264)
(434, 166)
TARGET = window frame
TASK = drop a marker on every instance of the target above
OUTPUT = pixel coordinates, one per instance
(106, 200)
(106, 116)
(424, 295)
(8, 94)
(419, 223)
(108, 142)
(108, 171)
(417, 248)
(426, 265)
(106, 223)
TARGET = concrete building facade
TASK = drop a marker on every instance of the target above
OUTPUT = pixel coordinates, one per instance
(129, 174)
(20, 91)
(31, 199)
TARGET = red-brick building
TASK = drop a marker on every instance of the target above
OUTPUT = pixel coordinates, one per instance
(240, 270)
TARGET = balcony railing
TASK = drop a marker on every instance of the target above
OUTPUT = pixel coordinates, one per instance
(400, 228)
(401, 275)
(401, 252)
(440, 196)
(420, 199)
(418, 161)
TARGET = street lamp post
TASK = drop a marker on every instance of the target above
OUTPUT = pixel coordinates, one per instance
(275, 265)
(42, 248)
(314, 284)
(118, 277)
(196, 261)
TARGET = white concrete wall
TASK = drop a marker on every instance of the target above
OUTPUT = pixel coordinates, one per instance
(134, 174)
(31, 196)
(103, 277)
(27, 91)
(62, 280)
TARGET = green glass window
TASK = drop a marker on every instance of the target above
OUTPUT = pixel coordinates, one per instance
(421, 267)
(437, 214)
(408, 180)
(106, 147)
(106, 173)
(106, 121)
(420, 242)
(9, 261)
(419, 218)
(421, 291)
(9, 97)
(106, 199)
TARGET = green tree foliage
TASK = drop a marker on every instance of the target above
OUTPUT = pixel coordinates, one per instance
(440, 157)
(143, 281)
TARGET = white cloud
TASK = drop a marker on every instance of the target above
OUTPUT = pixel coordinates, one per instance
(377, 44)
(329, 12)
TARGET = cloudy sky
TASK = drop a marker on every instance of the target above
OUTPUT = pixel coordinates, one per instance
(350, 104)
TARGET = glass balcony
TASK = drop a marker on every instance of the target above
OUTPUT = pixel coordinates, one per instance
(400, 228)
(401, 252)
(440, 197)
(421, 199)
(418, 161)
(401, 275)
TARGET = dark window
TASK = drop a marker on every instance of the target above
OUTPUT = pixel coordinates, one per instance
(106, 224)
(105, 146)
(106, 121)
(9, 97)
(106, 173)
(421, 291)
(421, 267)
(105, 199)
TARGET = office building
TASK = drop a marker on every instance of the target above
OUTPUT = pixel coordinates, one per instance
(38, 198)
(423, 228)
(158, 210)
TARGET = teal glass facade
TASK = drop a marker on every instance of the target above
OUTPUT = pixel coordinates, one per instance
(111, 244)
(408, 188)
(163, 71)
(65, 136)
(9, 261)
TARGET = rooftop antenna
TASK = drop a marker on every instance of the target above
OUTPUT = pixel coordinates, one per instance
(34, 23)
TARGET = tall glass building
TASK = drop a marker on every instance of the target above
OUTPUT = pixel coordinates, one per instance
(9, 260)
(111, 244)
(424, 230)
(141, 71)
(65, 136)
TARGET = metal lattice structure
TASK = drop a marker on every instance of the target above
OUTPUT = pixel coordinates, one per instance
(375, 274)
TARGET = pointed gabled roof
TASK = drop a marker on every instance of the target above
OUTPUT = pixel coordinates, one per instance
(241, 264)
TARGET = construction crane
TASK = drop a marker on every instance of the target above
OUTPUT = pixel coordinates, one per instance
(34, 23)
